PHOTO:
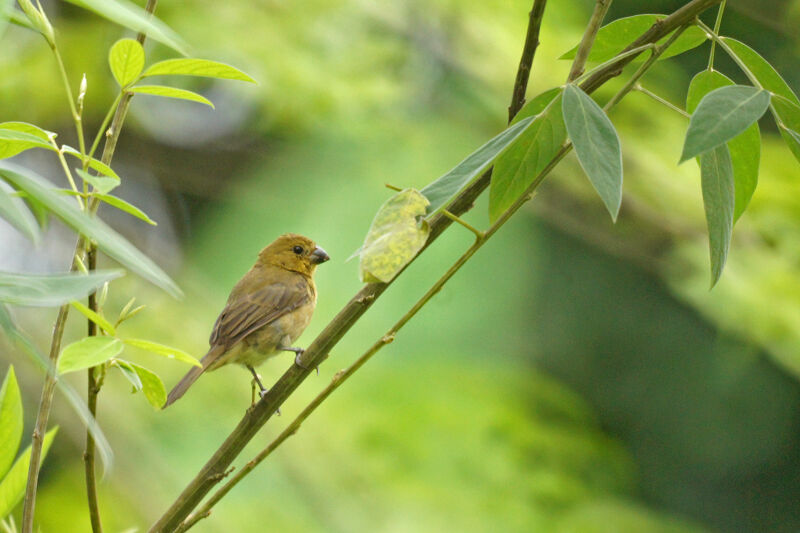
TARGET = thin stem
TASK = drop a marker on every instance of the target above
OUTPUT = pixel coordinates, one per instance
(717, 25)
(614, 60)
(256, 416)
(76, 116)
(92, 390)
(478, 234)
(585, 47)
(342, 376)
(657, 51)
(535, 18)
(722, 44)
(660, 100)
(104, 125)
(48, 389)
(66, 169)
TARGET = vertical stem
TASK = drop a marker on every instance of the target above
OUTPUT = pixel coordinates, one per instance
(528, 51)
(92, 390)
(600, 10)
(717, 24)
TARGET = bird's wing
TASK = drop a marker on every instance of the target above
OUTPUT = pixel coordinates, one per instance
(249, 312)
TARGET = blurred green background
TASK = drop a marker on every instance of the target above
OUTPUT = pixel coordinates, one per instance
(575, 376)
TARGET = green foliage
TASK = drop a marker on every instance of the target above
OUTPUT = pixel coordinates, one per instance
(126, 59)
(51, 290)
(95, 317)
(144, 380)
(397, 233)
(196, 67)
(721, 115)
(126, 207)
(171, 92)
(14, 211)
(108, 240)
(101, 184)
(160, 349)
(716, 174)
(596, 144)
(440, 192)
(615, 36)
(517, 167)
(88, 352)
(13, 474)
(745, 148)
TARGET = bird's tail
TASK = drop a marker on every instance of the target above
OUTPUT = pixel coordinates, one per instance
(190, 377)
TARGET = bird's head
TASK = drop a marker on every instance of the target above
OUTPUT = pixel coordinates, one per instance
(294, 252)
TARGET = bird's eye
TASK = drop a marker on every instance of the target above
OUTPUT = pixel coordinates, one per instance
(298, 250)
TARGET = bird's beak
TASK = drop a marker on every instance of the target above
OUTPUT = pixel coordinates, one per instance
(319, 256)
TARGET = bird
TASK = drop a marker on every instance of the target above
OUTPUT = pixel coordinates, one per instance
(266, 311)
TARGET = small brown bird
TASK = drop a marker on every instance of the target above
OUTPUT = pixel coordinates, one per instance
(266, 312)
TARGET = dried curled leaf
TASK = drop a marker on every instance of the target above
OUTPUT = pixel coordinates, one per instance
(397, 233)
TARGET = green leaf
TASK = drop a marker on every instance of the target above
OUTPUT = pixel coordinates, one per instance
(517, 167)
(14, 211)
(88, 352)
(94, 317)
(135, 18)
(721, 115)
(129, 372)
(152, 386)
(615, 36)
(122, 205)
(161, 349)
(596, 144)
(95, 164)
(10, 420)
(171, 92)
(784, 109)
(789, 115)
(397, 233)
(101, 184)
(716, 173)
(12, 488)
(31, 129)
(440, 192)
(745, 148)
(75, 401)
(197, 67)
(52, 289)
(12, 142)
(794, 135)
(766, 75)
(108, 240)
(126, 59)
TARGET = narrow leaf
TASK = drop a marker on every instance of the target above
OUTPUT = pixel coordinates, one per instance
(88, 352)
(12, 488)
(152, 386)
(18, 215)
(596, 144)
(51, 289)
(397, 233)
(745, 148)
(135, 18)
(95, 164)
(161, 349)
(126, 59)
(197, 67)
(127, 370)
(75, 401)
(617, 35)
(765, 73)
(517, 167)
(108, 240)
(11, 421)
(440, 192)
(101, 184)
(171, 92)
(31, 129)
(789, 115)
(12, 142)
(94, 317)
(122, 205)
(721, 115)
(716, 173)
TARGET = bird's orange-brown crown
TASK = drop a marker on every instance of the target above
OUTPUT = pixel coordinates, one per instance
(293, 252)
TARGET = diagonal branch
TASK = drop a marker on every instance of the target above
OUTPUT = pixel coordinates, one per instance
(528, 51)
(256, 416)
(585, 47)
